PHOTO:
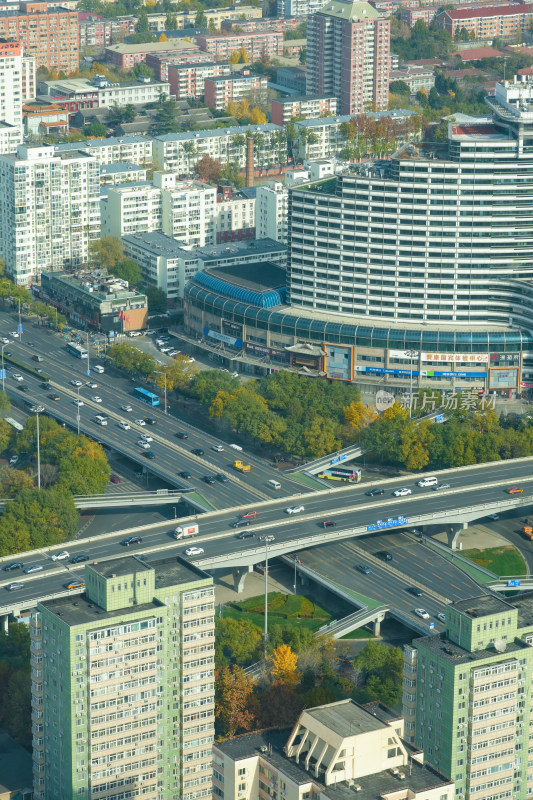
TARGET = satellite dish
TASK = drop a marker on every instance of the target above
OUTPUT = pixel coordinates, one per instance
(500, 645)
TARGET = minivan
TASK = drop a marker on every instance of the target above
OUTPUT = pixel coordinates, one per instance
(38, 358)
(98, 368)
(431, 481)
(100, 420)
(274, 484)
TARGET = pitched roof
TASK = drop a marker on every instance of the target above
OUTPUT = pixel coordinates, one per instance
(490, 11)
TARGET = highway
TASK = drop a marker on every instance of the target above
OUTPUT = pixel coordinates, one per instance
(172, 455)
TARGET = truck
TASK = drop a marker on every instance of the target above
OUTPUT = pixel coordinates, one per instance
(527, 532)
(241, 466)
(182, 532)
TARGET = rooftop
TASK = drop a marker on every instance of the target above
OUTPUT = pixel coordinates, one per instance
(117, 567)
(483, 606)
(449, 651)
(490, 11)
(15, 766)
(346, 718)
(175, 571)
(121, 166)
(85, 85)
(397, 113)
(267, 127)
(152, 47)
(78, 610)
(356, 11)
(261, 276)
(97, 283)
(524, 604)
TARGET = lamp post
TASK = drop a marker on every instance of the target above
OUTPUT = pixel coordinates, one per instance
(265, 636)
(38, 455)
(78, 410)
(164, 374)
(295, 562)
(411, 354)
(3, 370)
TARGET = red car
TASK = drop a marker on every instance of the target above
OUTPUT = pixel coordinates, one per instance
(515, 490)
(249, 515)
(114, 479)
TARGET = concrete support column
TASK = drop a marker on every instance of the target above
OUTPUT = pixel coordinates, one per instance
(453, 533)
(377, 624)
(4, 623)
(239, 575)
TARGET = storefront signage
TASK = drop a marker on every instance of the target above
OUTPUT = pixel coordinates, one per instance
(388, 523)
(424, 373)
(464, 358)
(221, 337)
(265, 351)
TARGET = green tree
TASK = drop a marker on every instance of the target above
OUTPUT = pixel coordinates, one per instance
(128, 270)
(106, 251)
(211, 27)
(13, 480)
(5, 403)
(399, 87)
(7, 434)
(238, 640)
(171, 22)
(200, 21)
(141, 70)
(157, 299)
(206, 385)
(129, 358)
(381, 669)
(142, 25)
(95, 129)
(166, 117)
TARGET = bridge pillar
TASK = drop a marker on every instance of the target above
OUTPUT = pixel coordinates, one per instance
(239, 576)
(4, 623)
(377, 624)
(453, 533)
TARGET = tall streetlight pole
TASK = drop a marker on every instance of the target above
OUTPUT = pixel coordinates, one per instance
(265, 637)
(3, 370)
(295, 562)
(164, 374)
(38, 455)
(88, 357)
(411, 354)
(78, 410)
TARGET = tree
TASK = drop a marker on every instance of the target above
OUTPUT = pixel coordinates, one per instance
(127, 270)
(279, 705)
(157, 299)
(381, 669)
(171, 22)
(166, 117)
(235, 57)
(358, 416)
(206, 385)
(7, 434)
(211, 27)
(283, 667)
(399, 87)
(257, 117)
(5, 403)
(142, 70)
(233, 690)
(163, 37)
(95, 130)
(143, 24)
(13, 481)
(208, 169)
(238, 640)
(200, 21)
(106, 251)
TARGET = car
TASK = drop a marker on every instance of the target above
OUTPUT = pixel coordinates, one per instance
(140, 422)
(126, 407)
(78, 403)
(402, 492)
(267, 537)
(5, 341)
(512, 490)
(135, 333)
(124, 425)
(39, 370)
(241, 523)
(79, 558)
(209, 479)
(441, 617)
(54, 396)
(91, 385)
(184, 474)
(76, 383)
(222, 478)
(165, 349)
(37, 409)
(294, 509)
(75, 585)
(23, 388)
(96, 399)
(9, 354)
(415, 590)
(150, 420)
(364, 569)
(13, 460)
(217, 448)
(182, 435)
(145, 437)
(31, 344)
(328, 523)
(61, 556)
(14, 334)
(374, 492)
(149, 454)
(114, 478)
(12, 587)
(13, 565)
(421, 612)
(249, 515)
(46, 385)
(384, 555)
(33, 568)
(194, 551)
(197, 451)
(131, 540)
(173, 353)
(494, 517)
(246, 535)
(440, 486)
(17, 377)
(143, 444)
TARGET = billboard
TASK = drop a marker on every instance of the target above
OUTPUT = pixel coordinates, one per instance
(338, 363)
(501, 378)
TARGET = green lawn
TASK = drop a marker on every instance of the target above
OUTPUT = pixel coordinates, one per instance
(283, 609)
(358, 633)
(504, 560)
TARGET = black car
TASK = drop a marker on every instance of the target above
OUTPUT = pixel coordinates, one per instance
(185, 474)
(148, 454)
(384, 555)
(222, 478)
(79, 558)
(208, 479)
(46, 386)
(23, 388)
(131, 540)
(416, 591)
(374, 492)
(246, 535)
(197, 451)
(150, 420)
(327, 523)
(13, 565)
(182, 435)
(241, 523)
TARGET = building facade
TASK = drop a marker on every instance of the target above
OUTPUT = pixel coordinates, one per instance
(187, 80)
(131, 208)
(411, 15)
(502, 22)
(272, 211)
(123, 684)
(126, 56)
(95, 31)
(49, 210)
(348, 56)
(219, 91)
(235, 215)
(188, 209)
(78, 93)
(47, 33)
(161, 62)
(282, 110)
(114, 149)
(257, 45)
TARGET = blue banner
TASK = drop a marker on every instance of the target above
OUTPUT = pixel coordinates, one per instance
(381, 524)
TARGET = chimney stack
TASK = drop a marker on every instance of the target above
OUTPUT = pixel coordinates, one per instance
(249, 180)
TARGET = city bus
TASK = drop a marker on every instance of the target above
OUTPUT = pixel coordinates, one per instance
(146, 396)
(341, 474)
(77, 350)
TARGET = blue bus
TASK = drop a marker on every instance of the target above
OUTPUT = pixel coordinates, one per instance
(77, 350)
(146, 396)
(341, 474)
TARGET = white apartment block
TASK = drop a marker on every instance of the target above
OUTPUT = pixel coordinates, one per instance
(235, 217)
(272, 211)
(131, 208)
(178, 152)
(133, 149)
(187, 80)
(81, 93)
(17, 85)
(164, 262)
(188, 209)
(49, 210)
(219, 91)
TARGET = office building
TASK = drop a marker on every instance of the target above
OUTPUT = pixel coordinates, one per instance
(334, 752)
(257, 45)
(348, 56)
(224, 89)
(187, 80)
(467, 697)
(49, 34)
(283, 109)
(49, 210)
(123, 684)
(272, 211)
(502, 22)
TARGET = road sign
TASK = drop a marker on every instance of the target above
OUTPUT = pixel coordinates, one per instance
(513, 583)
(440, 418)
(335, 460)
(3, 374)
(431, 626)
(343, 456)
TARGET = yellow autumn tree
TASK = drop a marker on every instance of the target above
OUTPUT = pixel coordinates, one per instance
(358, 416)
(257, 117)
(163, 38)
(243, 56)
(283, 668)
(235, 57)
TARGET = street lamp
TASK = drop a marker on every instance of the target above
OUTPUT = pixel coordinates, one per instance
(295, 562)
(411, 354)
(3, 370)
(38, 454)
(265, 636)
(78, 410)
(164, 374)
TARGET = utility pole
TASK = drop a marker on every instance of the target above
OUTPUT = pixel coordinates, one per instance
(3, 370)
(411, 354)
(78, 411)
(88, 358)
(39, 455)
(265, 637)
(20, 324)
(164, 374)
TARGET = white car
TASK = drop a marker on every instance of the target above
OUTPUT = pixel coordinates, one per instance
(5, 341)
(146, 437)
(143, 444)
(173, 353)
(165, 349)
(139, 422)
(126, 407)
(194, 551)
(421, 612)
(61, 556)
(441, 617)
(14, 459)
(217, 448)
(17, 377)
(96, 399)
(401, 492)
(267, 537)
(135, 333)
(294, 509)
(124, 425)
(91, 385)
(14, 334)
(78, 403)
(76, 383)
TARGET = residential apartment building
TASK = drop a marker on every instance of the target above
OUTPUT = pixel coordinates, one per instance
(334, 752)
(78, 93)
(112, 174)
(293, 47)
(269, 24)
(123, 684)
(272, 211)
(257, 45)
(235, 215)
(131, 208)
(415, 77)
(187, 80)
(160, 62)
(284, 109)
(188, 209)
(299, 8)
(411, 15)
(95, 31)
(502, 22)
(114, 149)
(48, 33)
(17, 81)
(348, 56)
(219, 91)
(126, 56)
(186, 19)
(467, 697)
(49, 210)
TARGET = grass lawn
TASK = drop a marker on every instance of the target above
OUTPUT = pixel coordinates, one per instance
(283, 609)
(500, 560)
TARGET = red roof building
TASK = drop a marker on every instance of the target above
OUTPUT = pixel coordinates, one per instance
(504, 22)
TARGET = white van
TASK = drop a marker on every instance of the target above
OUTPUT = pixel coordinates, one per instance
(236, 447)
(431, 481)
(98, 368)
(100, 420)
(274, 484)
